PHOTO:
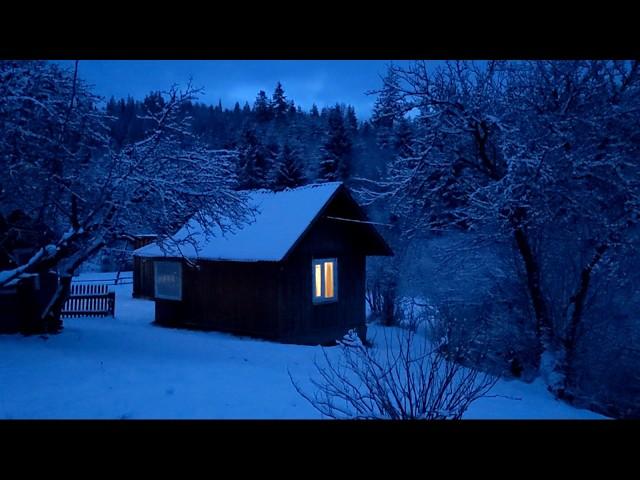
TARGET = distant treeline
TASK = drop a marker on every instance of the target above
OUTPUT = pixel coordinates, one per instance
(278, 143)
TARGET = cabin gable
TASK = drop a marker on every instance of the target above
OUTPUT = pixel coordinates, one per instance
(343, 211)
(300, 318)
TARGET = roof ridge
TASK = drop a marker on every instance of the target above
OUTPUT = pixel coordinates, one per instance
(291, 189)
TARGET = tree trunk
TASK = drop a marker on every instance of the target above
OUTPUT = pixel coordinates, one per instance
(544, 332)
(571, 335)
(389, 305)
(51, 315)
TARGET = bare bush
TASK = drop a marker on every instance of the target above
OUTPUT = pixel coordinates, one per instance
(406, 377)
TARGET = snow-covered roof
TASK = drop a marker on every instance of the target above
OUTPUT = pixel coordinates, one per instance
(281, 218)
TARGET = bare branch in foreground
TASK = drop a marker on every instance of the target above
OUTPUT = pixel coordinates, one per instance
(404, 378)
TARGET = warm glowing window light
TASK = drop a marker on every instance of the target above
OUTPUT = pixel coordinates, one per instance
(318, 280)
(328, 279)
(325, 280)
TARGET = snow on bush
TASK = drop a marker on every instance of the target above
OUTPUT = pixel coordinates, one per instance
(404, 377)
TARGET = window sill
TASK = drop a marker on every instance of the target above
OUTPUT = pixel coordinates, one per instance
(324, 302)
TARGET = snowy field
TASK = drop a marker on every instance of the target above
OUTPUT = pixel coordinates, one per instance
(127, 368)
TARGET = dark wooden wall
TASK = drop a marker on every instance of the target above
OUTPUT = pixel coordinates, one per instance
(21, 306)
(237, 297)
(143, 281)
(268, 300)
(302, 321)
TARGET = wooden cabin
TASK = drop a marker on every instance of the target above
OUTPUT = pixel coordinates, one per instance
(295, 274)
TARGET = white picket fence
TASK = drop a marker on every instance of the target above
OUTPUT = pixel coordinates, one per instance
(87, 300)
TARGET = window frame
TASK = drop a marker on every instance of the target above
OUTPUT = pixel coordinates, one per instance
(322, 299)
(155, 280)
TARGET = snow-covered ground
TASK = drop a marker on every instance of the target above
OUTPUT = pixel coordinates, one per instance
(126, 367)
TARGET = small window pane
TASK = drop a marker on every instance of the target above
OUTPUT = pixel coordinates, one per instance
(328, 279)
(168, 276)
(318, 280)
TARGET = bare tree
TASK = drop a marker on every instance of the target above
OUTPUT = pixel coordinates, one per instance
(61, 169)
(406, 377)
(540, 155)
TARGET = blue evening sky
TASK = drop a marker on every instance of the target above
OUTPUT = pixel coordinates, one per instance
(324, 82)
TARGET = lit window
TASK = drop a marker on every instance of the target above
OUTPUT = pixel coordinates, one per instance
(325, 280)
(328, 279)
(318, 280)
(168, 280)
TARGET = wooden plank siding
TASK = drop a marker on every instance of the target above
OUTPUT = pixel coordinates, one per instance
(301, 320)
(143, 281)
(235, 297)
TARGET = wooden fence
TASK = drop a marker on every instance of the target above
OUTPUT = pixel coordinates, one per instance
(87, 300)
(121, 278)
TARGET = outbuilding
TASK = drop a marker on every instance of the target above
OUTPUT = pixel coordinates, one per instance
(296, 273)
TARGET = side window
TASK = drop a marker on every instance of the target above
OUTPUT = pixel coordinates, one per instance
(325, 280)
(168, 280)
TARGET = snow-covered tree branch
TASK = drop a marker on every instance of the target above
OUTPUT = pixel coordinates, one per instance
(542, 155)
(62, 172)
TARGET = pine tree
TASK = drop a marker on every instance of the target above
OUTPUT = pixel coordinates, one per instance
(288, 171)
(366, 130)
(135, 128)
(351, 120)
(253, 161)
(118, 124)
(335, 163)
(279, 105)
(261, 107)
(314, 111)
(293, 111)
(153, 103)
(112, 106)
(403, 137)
(387, 109)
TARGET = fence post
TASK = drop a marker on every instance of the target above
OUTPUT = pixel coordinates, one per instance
(112, 303)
